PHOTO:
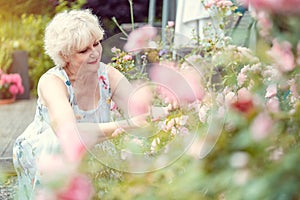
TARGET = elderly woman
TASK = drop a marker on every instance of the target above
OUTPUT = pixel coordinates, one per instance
(73, 98)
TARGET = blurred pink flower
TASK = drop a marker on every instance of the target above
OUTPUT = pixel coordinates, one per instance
(218, 3)
(203, 112)
(127, 57)
(277, 6)
(16, 78)
(176, 86)
(193, 78)
(261, 126)
(79, 188)
(171, 23)
(72, 144)
(271, 91)
(6, 78)
(282, 55)
(273, 105)
(113, 49)
(10, 85)
(183, 130)
(45, 194)
(293, 87)
(241, 78)
(13, 89)
(139, 38)
(264, 23)
(54, 170)
(224, 3)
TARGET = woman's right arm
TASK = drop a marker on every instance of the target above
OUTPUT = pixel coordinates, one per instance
(55, 97)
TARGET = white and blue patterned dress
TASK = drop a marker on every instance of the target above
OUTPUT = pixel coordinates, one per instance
(39, 138)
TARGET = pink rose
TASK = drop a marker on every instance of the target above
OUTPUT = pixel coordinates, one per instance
(224, 3)
(171, 23)
(244, 101)
(177, 86)
(113, 50)
(5, 78)
(282, 55)
(54, 169)
(293, 87)
(241, 78)
(127, 57)
(271, 91)
(261, 126)
(277, 6)
(264, 23)
(13, 89)
(80, 188)
(273, 105)
(16, 78)
(139, 38)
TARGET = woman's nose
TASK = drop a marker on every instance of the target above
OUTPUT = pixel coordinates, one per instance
(94, 52)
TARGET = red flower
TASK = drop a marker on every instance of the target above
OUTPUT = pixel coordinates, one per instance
(244, 101)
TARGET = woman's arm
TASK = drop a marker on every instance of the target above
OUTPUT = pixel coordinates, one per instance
(121, 89)
(55, 97)
(123, 92)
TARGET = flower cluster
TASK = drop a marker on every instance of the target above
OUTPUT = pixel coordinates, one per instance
(10, 85)
(215, 35)
(125, 62)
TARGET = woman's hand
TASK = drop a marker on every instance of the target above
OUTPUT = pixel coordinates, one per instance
(139, 121)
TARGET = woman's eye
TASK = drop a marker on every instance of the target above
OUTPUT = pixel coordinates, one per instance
(96, 43)
(83, 51)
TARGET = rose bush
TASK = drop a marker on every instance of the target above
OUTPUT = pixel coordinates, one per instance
(233, 121)
(10, 85)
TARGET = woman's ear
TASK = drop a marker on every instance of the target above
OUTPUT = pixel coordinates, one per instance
(64, 57)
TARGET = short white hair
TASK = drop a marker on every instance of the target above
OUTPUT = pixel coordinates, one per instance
(70, 31)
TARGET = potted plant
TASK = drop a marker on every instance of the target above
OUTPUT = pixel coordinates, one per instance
(10, 86)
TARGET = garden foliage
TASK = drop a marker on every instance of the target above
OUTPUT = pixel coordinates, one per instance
(233, 122)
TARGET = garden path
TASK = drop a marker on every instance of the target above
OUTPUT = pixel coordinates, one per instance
(14, 118)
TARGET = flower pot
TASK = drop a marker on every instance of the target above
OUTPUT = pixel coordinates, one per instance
(7, 101)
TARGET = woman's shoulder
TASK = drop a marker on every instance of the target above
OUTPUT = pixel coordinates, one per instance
(50, 85)
(54, 74)
(56, 71)
(111, 71)
(52, 78)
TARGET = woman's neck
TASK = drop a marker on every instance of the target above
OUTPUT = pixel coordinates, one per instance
(85, 85)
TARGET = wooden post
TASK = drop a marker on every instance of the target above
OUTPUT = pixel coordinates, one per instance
(20, 65)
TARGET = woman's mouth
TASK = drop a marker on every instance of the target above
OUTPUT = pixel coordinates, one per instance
(93, 62)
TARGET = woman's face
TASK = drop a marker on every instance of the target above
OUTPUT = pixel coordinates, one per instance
(87, 58)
